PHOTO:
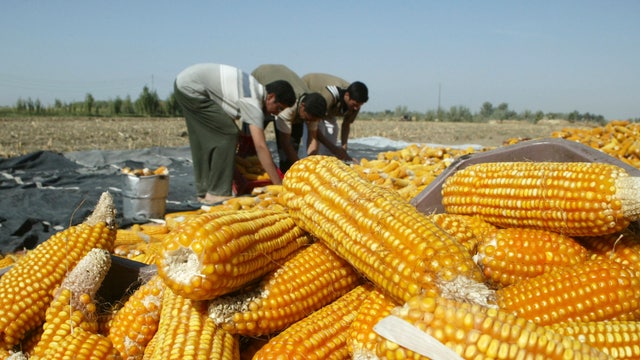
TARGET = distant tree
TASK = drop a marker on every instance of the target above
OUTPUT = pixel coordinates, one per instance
(526, 115)
(116, 106)
(37, 106)
(148, 103)
(459, 114)
(401, 110)
(88, 103)
(430, 115)
(486, 110)
(127, 106)
(172, 107)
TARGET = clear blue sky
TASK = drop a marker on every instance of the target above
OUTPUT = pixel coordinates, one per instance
(554, 56)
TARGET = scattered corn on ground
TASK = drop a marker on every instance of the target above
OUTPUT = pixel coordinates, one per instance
(592, 282)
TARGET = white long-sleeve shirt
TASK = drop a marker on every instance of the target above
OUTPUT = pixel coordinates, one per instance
(239, 94)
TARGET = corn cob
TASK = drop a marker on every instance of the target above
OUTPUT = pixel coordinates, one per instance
(383, 236)
(185, 332)
(27, 288)
(619, 339)
(321, 335)
(574, 199)
(467, 230)
(84, 345)
(136, 322)
(74, 304)
(7, 260)
(594, 290)
(476, 332)
(175, 219)
(623, 247)
(218, 253)
(148, 253)
(507, 256)
(362, 340)
(312, 278)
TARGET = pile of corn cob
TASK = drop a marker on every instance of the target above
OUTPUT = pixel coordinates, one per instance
(306, 270)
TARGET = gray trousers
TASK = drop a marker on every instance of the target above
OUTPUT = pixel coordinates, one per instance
(213, 137)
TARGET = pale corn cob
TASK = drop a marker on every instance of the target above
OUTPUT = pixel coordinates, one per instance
(476, 332)
(186, 332)
(27, 288)
(321, 335)
(74, 304)
(218, 253)
(574, 199)
(507, 256)
(312, 278)
(84, 345)
(594, 290)
(619, 339)
(362, 340)
(378, 232)
(135, 324)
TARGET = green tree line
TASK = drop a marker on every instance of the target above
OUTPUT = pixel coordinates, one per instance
(487, 112)
(149, 104)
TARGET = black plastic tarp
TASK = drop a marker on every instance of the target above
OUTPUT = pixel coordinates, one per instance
(44, 192)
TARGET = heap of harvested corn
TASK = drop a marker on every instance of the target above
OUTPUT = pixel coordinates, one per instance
(549, 293)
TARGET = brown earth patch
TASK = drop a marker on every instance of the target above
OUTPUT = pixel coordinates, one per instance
(21, 136)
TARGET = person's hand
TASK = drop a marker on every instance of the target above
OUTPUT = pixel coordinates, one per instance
(341, 153)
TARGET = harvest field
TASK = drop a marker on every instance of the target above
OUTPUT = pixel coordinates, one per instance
(20, 136)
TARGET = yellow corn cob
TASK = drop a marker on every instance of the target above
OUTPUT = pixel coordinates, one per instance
(467, 230)
(174, 220)
(507, 256)
(321, 335)
(362, 340)
(476, 332)
(7, 260)
(27, 288)
(376, 230)
(594, 290)
(149, 253)
(185, 332)
(133, 236)
(623, 247)
(136, 322)
(619, 339)
(74, 304)
(218, 253)
(574, 199)
(312, 278)
(84, 345)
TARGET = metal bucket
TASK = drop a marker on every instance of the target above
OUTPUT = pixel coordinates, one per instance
(144, 197)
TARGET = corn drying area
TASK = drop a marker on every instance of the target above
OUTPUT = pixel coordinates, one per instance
(530, 250)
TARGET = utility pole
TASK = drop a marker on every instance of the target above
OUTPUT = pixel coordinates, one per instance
(439, 92)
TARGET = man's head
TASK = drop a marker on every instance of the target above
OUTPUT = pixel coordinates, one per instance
(280, 95)
(313, 107)
(356, 95)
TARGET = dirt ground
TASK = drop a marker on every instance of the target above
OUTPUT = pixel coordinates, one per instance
(21, 136)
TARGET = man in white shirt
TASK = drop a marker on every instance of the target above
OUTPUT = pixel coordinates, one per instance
(213, 97)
